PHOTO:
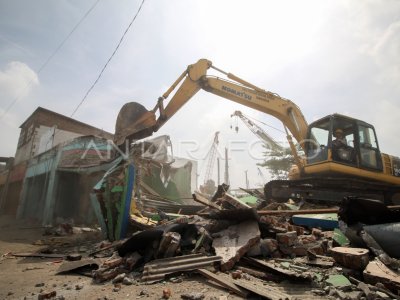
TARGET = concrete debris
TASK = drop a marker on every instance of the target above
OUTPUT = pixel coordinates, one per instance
(69, 266)
(245, 251)
(233, 242)
(353, 258)
(228, 234)
(377, 272)
(47, 295)
(287, 238)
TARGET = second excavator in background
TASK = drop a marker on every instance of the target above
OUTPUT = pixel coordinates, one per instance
(342, 154)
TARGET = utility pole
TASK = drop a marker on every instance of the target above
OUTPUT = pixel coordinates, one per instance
(226, 175)
(219, 181)
(247, 180)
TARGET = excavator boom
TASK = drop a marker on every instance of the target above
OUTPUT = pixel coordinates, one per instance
(238, 90)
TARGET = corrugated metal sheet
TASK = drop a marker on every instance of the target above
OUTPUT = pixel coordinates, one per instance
(157, 269)
(171, 207)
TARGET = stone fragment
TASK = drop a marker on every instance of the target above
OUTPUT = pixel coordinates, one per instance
(47, 295)
(236, 274)
(74, 257)
(317, 233)
(102, 275)
(167, 293)
(127, 281)
(119, 278)
(365, 289)
(271, 245)
(112, 263)
(299, 230)
(193, 296)
(287, 238)
(307, 239)
(131, 260)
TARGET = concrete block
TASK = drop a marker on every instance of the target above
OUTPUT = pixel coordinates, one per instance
(377, 272)
(235, 241)
(353, 258)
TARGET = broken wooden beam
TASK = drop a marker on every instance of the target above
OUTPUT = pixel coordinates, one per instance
(235, 202)
(40, 255)
(265, 291)
(223, 281)
(298, 212)
(200, 199)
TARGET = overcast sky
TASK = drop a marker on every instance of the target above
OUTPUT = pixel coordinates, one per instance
(326, 56)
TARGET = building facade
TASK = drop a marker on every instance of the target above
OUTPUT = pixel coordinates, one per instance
(42, 131)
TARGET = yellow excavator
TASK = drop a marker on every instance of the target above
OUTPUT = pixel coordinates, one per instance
(342, 155)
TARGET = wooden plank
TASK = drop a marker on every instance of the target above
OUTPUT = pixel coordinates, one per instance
(298, 212)
(223, 281)
(235, 202)
(266, 291)
(270, 266)
(39, 255)
(309, 211)
(199, 198)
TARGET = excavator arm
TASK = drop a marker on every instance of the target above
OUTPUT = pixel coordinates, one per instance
(195, 78)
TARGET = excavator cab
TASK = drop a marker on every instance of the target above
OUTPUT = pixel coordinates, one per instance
(343, 140)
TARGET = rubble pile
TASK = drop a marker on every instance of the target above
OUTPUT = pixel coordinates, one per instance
(250, 252)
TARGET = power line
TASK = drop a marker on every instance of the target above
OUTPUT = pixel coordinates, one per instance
(49, 58)
(112, 55)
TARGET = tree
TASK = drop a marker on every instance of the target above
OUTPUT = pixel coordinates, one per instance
(278, 162)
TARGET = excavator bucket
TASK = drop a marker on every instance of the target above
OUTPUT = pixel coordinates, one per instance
(134, 122)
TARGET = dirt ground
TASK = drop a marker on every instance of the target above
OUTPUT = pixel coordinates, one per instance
(25, 278)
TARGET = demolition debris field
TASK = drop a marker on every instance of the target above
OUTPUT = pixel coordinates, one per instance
(227, 250)
(27, 278)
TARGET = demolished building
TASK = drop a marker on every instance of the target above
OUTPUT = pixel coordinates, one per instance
(149, 179)
(41, 132)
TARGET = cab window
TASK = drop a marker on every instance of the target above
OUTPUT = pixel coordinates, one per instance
(369, 151)
(317, 143)
(342, 144)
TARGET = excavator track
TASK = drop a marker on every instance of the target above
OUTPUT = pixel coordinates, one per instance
(328, 190)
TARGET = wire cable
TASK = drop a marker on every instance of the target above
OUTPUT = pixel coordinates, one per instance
(18, 97)
(280, 130)
(108, 61)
